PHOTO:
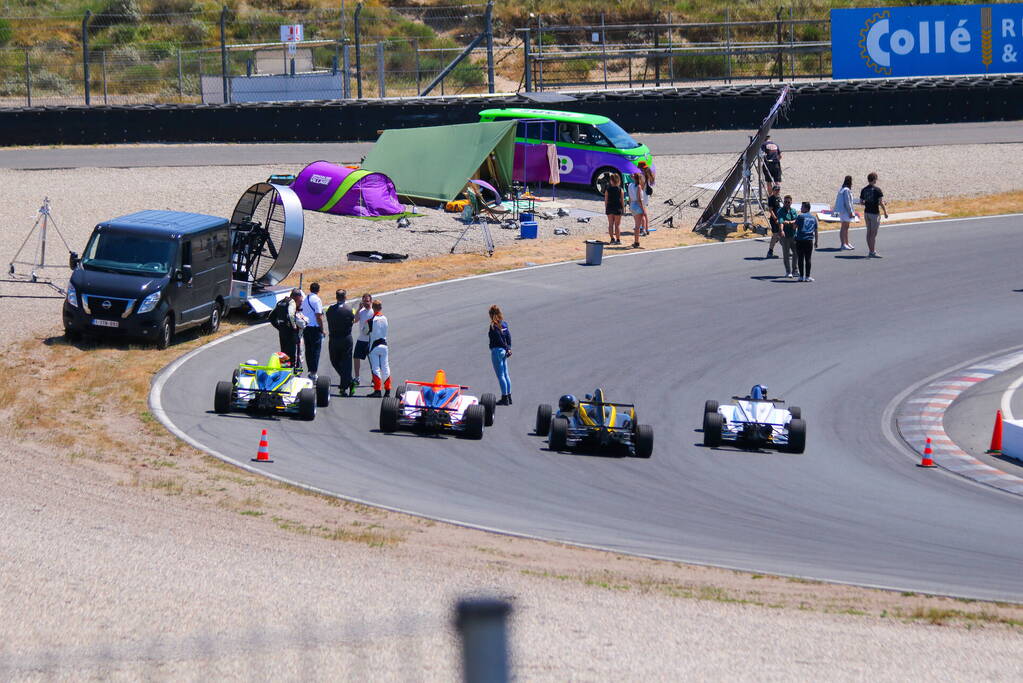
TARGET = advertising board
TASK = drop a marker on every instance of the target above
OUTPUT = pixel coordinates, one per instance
(937, 40)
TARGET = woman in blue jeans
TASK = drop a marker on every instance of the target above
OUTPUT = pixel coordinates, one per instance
(500, 351)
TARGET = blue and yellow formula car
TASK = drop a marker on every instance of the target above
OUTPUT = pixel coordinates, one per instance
(271, 389)
(594, 423)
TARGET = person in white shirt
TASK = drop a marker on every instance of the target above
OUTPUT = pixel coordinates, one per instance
(378, 361)
(315, 329)
(361, 352)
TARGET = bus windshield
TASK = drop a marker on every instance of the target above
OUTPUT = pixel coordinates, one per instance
(127, 253)
(617, 135)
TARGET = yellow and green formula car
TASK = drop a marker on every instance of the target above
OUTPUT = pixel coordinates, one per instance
(271, 389)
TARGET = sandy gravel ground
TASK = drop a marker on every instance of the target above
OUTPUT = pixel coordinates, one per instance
(110, 581)
(83, 197)
(100, 578)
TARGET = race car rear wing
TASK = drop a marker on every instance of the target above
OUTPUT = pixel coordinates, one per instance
(431, 384)
(775, 401)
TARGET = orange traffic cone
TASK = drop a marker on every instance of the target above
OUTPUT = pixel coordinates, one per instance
(996, 435)
(263, 454)
(926, 461)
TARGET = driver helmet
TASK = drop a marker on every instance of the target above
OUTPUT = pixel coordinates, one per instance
(759, 392)
(567, 403)
(279, 360)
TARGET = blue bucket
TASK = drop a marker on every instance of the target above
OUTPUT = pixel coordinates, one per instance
(527, 230)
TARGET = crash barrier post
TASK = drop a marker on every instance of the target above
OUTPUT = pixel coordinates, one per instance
(263, 454)
(594, 252)
(223, 53)
(482, 625)
(1012, 443)
(996, 435)
(927, 461)
(85, 54)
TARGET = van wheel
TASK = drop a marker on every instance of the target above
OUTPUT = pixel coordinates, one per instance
(164, 333)
(213, 322)
(602, 179)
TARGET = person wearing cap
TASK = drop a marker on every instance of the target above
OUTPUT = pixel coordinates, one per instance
(772, 160)
(379, 363)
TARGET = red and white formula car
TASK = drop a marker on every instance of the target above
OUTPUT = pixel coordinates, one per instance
(436, 407)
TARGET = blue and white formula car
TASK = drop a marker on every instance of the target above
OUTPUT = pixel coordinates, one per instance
(755, 421)
(271, 389)
(437, 406)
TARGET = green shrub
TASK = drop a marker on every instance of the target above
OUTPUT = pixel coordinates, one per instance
(160, 50)
(576, 69)
(5, 31)
(122, 34)
(140, 78)
(467, 74)
(117, 12)
(697, 66)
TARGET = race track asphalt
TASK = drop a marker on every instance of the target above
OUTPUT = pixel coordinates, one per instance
(707, 142)
(668, 330)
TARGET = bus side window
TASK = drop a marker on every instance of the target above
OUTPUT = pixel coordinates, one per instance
(521, 129)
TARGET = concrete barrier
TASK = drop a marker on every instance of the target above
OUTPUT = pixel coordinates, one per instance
(1012, 439)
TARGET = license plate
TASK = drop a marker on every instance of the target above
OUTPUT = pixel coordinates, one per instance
(106, 323)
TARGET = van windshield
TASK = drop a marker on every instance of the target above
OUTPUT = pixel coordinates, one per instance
(617, 135)
(127, 253)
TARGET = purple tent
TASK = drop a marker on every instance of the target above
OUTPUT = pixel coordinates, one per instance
(329, 188)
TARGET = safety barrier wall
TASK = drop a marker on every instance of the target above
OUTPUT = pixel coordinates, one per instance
(1012, 439)
(826, 104)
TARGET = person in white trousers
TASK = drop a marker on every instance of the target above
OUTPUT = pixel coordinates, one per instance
(378, 361)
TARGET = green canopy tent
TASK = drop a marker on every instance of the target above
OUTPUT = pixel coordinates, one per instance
(433, 164)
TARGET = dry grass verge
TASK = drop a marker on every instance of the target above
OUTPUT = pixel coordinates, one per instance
(90, 408)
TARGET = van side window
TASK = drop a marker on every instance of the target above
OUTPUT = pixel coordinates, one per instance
(221, 245)
(595, 137)
(186, 253)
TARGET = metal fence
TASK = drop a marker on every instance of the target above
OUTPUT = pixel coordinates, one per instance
(357, 50)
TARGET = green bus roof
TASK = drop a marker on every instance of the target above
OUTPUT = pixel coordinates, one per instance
(549, 114)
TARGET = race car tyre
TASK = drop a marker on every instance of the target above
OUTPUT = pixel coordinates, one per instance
(307, 404)
(796, 412)
(390, 410)
(212, 323)
(543, 419)
(602, 179)
(558, 440)
(164, 333)
(402, 388)
(644, 441)
(710, 406)
(489, 403)
(475, 417)
(797, 435)
(322, 391)
(234, 377)
(712, 426)
(223, 395)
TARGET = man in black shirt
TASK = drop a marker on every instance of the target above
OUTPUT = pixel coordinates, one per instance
(340, 319)
(873, 204)
(772, 160)
(773, 205)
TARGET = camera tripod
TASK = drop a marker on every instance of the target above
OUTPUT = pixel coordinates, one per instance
(40, 228)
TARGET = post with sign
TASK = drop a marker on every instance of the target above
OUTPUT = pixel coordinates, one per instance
(291, 35)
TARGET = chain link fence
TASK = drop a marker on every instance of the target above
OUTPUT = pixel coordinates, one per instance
(186, 54)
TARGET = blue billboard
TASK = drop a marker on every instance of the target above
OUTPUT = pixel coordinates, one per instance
(883, 42)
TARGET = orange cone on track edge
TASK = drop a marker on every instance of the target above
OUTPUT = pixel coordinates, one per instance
(996, 435)
(926, 461)
(263, 454)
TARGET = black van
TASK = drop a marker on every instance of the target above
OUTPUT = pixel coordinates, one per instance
(150, 274)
